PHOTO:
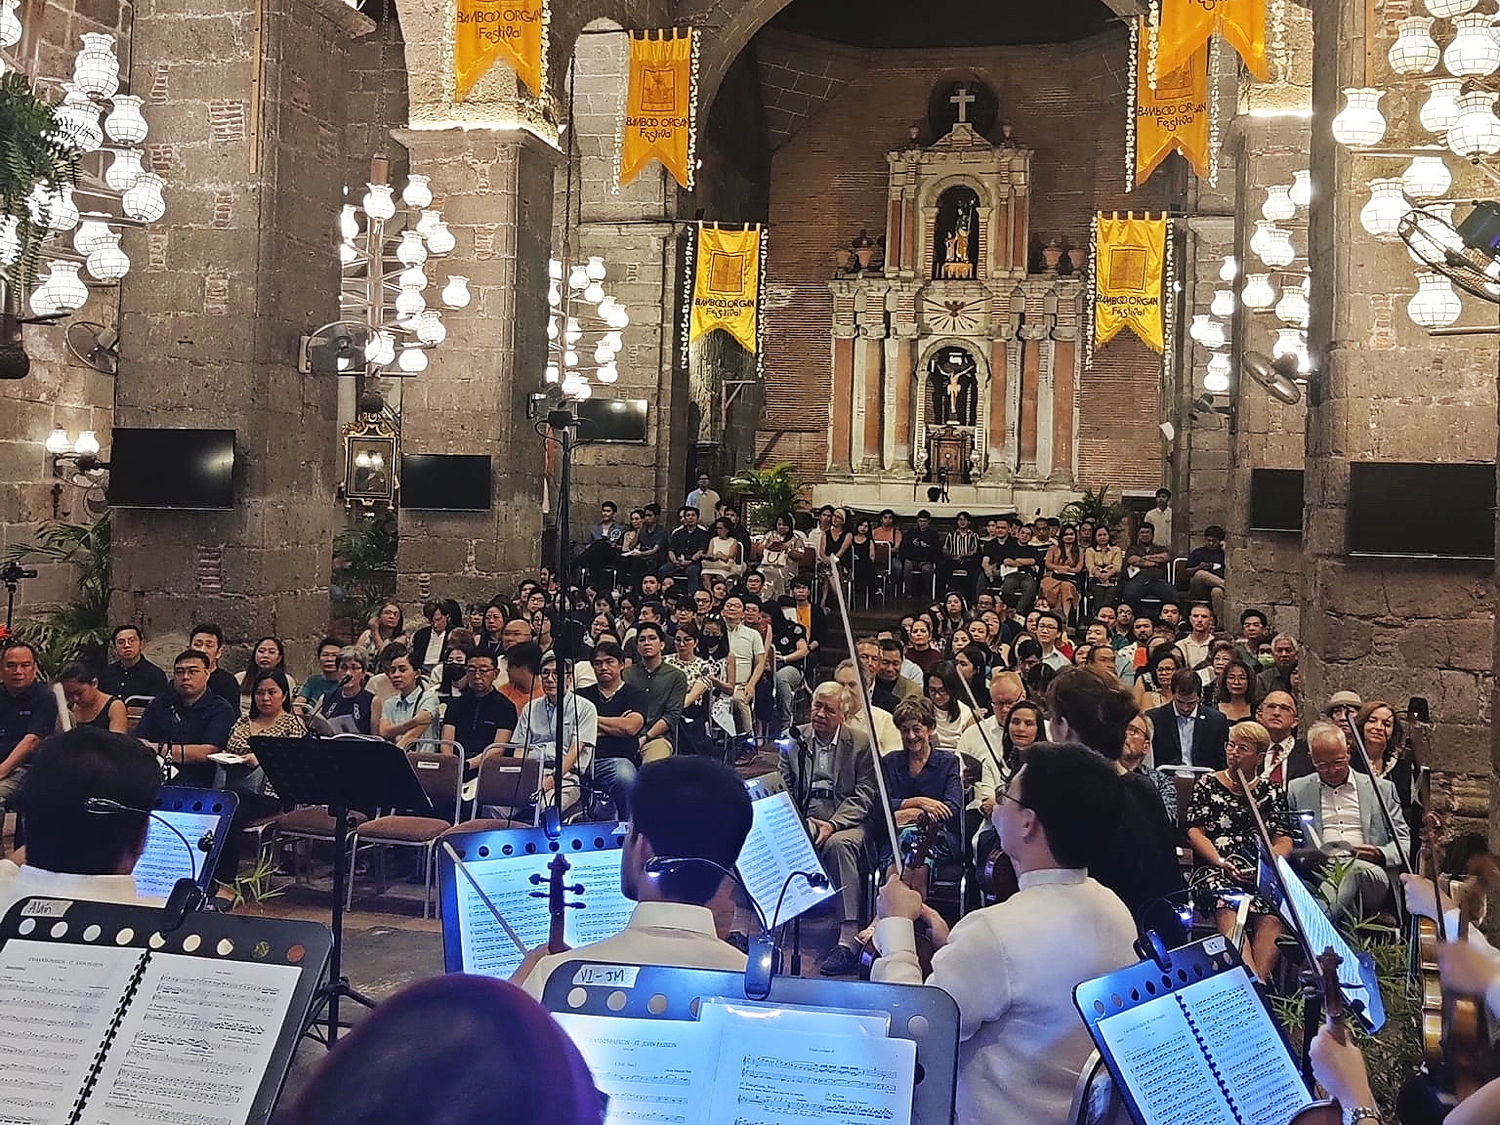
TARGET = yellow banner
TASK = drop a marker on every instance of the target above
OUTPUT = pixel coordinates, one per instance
(1172, 116)
(726, 284)
(1128, 273)
(1187, 24)
(660, 105)
(486, 30)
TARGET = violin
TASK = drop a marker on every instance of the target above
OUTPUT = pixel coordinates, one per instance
(1469, 1061)
(1428, 934)
(997, 876)
(1328, 1112)
(914, 875)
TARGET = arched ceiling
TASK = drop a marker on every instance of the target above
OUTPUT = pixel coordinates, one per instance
(944, 23)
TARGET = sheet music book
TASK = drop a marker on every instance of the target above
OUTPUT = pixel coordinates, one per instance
(473, 941)
(748, 1064)
(1241, 1072)
(778, 845)
(165, 860)
(114, 1035)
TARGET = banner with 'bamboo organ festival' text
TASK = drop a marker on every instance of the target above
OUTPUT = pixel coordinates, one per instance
(726, 284)
(1187, 25)
(486, 30)
(1172, 116)
(661, 105)
(1130, 259)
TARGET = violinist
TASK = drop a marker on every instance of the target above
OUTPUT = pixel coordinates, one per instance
(686, 807)
(1012, 967)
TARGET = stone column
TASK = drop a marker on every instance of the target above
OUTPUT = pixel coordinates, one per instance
(1385, 391)
(247, 119)
(495, 188)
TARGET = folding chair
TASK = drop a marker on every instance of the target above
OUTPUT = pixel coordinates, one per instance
(135, 707)
(503, 782)
(442, 778)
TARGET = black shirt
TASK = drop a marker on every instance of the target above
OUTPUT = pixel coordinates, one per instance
(170, 720)
(225, 686)
(144, 679)
(785, 637)
(685, 542)
(32, 710)
(624, 701)
(1018, 550)
(357, 707)
(476, 719)
(1211, 557)
(996, 551)
(918, 545)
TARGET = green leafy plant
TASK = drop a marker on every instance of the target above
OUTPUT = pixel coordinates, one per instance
(30, 155)
(767, 493)
(364, 566)
(256, 885)
(1094, 506)
(66, 631)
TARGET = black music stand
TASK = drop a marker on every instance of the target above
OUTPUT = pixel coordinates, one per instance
(352, 772)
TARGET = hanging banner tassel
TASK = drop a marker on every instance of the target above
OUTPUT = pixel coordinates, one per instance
(726, 284)
(486, 30)
(1129, 272)
(1186, 25)
(661, 106)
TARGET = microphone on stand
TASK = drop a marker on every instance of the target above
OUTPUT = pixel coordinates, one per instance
(186, 895)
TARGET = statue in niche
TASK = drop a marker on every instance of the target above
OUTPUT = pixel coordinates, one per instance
(954, 387)
(957, 256)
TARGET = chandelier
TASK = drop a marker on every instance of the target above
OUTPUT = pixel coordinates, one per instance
(584, 321)
(384, 250)
(70, 225)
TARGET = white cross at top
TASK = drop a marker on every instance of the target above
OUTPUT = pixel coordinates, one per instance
(963, 99)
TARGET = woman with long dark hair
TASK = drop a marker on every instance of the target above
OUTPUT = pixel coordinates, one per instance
(947, 695)
(430, 641)
(387, 627)
(1237, 691)
(1064, 570)
(269, 653)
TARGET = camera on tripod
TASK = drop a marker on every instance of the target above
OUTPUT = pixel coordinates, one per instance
(13, 572)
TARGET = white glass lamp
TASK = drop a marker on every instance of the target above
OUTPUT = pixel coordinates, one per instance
(1476, 130)
(614, 341)
(1414, 51)
(1474, 51)
(92, 234)
(62, 212)
(124, 169)
(1216, 377)
(1290, 341)
(410, 303)
(1223, 303)
(550, 374)
(456, 292)
(58, 442)
(1257, 244)
(1440, 110)
(608, 373)
(440, 240)
(1278, 252)
(1434, 305)
(618, 318)
(1258, 293)
(1360, 124)
(1301, 189)
(1382, 214)
(68, 292)
(1278, 205)
(578, 278)
(1426, 177)
(603, 355)
(595, 269)
(572, 331)
(10, 23)
(412, 359)
(428, 221)
(1197, 327)
(1447, 9)
(96, 69)
(412, 278)
(594, 293)
(87, 444)
(108, 262)
(1214, 335)
(417, 193)
(1230, 269)
(430, 327)
(143, 200)
(78, 120)
(10, 240)
(349, 222)
(1432, 233)
(378, 203)
(411, 250)
(126, 124)
(1292, 308)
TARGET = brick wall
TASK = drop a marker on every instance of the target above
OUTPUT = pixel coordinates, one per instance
(1067, 102)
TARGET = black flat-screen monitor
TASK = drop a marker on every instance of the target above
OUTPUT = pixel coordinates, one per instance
(446, 482)
(156, 468)
(620, 420)
(1415, 510)
(1276, 500)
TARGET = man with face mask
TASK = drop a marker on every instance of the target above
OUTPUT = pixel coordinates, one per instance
(686, 808)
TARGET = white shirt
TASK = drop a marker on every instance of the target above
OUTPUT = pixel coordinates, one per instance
(659, 933)
(1278, 753)
(1340, 813)
(1193, 652)
(746, 646)
(991, 765)
(17, 883)
(1012, 968)
(536, 728)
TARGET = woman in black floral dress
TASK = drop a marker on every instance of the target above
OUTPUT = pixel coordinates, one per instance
(1221, 829)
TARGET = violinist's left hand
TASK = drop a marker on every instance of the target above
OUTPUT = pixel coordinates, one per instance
(1340, 1069)
(897, 900)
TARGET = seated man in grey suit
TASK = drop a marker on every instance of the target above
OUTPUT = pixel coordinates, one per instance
(1349, 823)
(831, 774)
(1185, 732)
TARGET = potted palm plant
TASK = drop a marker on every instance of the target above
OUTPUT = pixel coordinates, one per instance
(766, 493)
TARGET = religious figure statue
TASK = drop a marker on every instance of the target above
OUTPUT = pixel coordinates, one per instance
(954, 388)
(957, 263)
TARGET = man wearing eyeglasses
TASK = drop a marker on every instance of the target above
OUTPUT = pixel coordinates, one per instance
(536, 730)
(189, 722)
(1012, 967)
(480, 716)
(28, 713)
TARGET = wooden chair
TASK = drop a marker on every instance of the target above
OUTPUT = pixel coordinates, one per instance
(135, 707)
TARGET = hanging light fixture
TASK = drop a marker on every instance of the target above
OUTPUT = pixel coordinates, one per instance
(1278, 205)
(1223, 303)
(1258, 293)
(1476, 130)
(430, 328)
(10, 24)
(10, 240)
(1257, 244)
(92, 234)
(124, 169)
(411, 251)
(1426, 177)
(1415, 51)
(143, 200)
(417, 194)
(1447, 9)
(1434, 305)
(440, 240)
(412, 360)
(1440, 110)
(96, 70)
(1196, 327)
(1359, 124)
(1301, 189)
(578, 278)
(1381, 216)
(378, 203)
(1474, 51)
(1291, 341)
(65, 290)
(608, 373)
(1230, 269)
(125, 124)
(1279, 252)
(1216, 377)
(107, 262)
(1293, 308)
(1214, 335)
(456, 292)
(410, 303)
(412, 278)
(78, 120)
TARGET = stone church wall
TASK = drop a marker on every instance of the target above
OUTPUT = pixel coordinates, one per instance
(1067, 102)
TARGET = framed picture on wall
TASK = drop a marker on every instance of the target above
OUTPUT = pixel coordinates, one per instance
(369, 463)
